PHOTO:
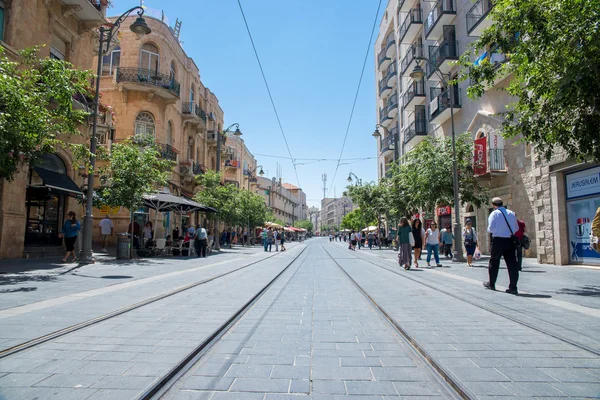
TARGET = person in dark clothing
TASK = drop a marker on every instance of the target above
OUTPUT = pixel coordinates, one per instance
(520, 234)
(502, 224)
(418, 233)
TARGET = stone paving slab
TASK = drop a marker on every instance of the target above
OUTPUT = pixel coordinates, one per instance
(313, 335)
(436, 320)
(121, 365)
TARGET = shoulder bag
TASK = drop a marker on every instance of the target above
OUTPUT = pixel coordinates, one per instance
(411, 239)
(516, 240)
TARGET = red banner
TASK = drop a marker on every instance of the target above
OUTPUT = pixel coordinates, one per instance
(480, 156)
(444, 211)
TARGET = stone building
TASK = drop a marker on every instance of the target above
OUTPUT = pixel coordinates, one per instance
(333, 210)
(314, 215)
(34, 205)
(155, 90)
(554, 198)
(287, 205)
(238, 164)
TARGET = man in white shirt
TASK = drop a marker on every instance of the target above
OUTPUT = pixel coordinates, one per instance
(203, 241)
(106, 228)
(502, 224)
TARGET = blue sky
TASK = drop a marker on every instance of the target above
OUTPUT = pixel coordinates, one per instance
(312, 53)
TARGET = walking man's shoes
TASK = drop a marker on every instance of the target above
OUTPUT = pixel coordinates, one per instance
(512, 291)
(488, 286)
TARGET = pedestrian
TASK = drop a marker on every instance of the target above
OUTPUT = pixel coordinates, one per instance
(137, 231)
(447, 240)
(432, 241)
(148, 233)
(469, 236)
(595, 234)
(107, 228)
(246, 243)
(270, 238)
(69, 232)
(330, 237)
(276, 239)
(520, 234)
(282, 240)
(176, 233)
(190, 231)
(202, 241)
(370, 240)
(418, 233)
(502, 224)
(353, 241)
(264, 238)
(359, 239)
(404, 247)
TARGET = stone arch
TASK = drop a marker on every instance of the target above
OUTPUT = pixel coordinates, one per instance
(145, 124)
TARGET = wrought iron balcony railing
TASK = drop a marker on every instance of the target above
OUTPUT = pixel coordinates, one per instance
(441, 101)
(198, 169)
(414, 51)
(417, 88)
(477, 13)
(440, 8)
(148, 77)
(416, 128)
(415, 16)
(447, 50)
(388, 142)
(168, 152)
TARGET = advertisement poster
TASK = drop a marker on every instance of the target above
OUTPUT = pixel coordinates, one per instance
(480, 156)
(580, 214)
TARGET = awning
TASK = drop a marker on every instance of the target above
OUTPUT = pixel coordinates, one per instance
(164, 202)
(58, 182)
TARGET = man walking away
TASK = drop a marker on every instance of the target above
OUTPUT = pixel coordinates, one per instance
(519, 234)
(447, 240)
(107, 227)
(502, 224)
(370, 240)
(203, 238)
(270, 238)
(264, 238)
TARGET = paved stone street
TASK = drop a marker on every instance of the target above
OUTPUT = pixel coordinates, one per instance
(312, 334)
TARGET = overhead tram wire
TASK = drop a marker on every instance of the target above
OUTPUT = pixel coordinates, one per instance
(315, 159)
(269, 91)
(357, 91)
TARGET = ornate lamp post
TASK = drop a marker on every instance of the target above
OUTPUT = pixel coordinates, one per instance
(250, 175)
(140, 28)
(377, 135)
(237, 132)
(418, 74)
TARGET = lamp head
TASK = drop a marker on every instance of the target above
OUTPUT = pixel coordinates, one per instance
(237, 132)
(349, 179)
(261, 172)
(417, 73)
(140, 28)
(376, 133)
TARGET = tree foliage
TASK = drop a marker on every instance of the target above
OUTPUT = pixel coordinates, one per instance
(552, 49)
(425, 178)
(304, 224)
(36, 106)
(132, 170)
(355, 220)
(371, 198)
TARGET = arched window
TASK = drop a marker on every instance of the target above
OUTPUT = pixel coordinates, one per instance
(192, 90)
(144, 124)
(149, 57)
(173, 72)
(169, 133)
(111, 62)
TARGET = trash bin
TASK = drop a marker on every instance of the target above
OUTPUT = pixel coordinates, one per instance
(123, 246)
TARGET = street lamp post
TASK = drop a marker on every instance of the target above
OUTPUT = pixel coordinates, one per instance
(140, 28)
(250, 175)
(358, 183)
(418, 74)
(377, 135)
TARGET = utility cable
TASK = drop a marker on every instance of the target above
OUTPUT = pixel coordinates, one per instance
(269, 91)
(357, 91)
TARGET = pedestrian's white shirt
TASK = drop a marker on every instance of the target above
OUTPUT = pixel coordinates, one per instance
(106, 226)
(497, 225)
(353, 237)
(433, 237)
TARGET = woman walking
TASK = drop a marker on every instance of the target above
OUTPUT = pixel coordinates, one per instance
(404, 247)
(470, 240)
(71, 228)
(418, 233)
(353, 241)
(282, 239)
(432, 240)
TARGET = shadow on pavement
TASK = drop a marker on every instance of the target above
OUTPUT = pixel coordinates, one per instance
(16, 279)
(588, 290)
(535, 296)
(22, 289)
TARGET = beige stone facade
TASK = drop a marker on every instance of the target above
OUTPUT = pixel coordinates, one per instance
(29, 227)
(409, 111)
(287, 202)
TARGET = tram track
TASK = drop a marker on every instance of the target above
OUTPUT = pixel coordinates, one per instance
(491, 310)
(96, 320)
(452, 386)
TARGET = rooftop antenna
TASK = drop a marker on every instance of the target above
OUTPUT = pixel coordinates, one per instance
(324, 178)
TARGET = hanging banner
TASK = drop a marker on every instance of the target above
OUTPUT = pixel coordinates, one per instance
(444, 211)
(480, 156)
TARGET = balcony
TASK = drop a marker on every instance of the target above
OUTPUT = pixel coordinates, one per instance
(198, 169)
(392, 105)
(497, 59)
(477, 17)
(404, 6)
(442, 13)
(168, 152)
(390, 45)
(86, 10)
(388, 143)
(185, 167)
(391, 75)
(411, 25)
(415, 95)
(441, 57)
(383, 117)
(383, 60)
(232, 164)
(415, 132)
(193, 109)
(384, 89)
(439, 107)
(492, 164)
(146, 80)
(409, 62)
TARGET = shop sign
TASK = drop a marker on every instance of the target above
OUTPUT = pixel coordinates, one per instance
(583, 183)
(444, 211)
(480, 156)
(580, 214)
(110, 210)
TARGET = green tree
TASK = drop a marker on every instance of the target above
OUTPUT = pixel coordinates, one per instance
(552, 49)
(252, 211)
(36, 106)
(372, 199)
(355, 220)
(304, 224)
(424, 179)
